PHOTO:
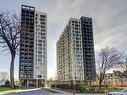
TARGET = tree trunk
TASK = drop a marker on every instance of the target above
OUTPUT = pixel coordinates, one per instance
(90, 83)
(101, 78)
(99, 84)
(12, 70)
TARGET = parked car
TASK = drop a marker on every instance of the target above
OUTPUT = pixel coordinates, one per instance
(18, 85)
(122, 92)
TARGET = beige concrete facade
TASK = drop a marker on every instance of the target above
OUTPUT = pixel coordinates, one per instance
(69, 53)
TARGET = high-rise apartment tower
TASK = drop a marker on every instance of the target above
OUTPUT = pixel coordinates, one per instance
(33, 47)
(75, 52)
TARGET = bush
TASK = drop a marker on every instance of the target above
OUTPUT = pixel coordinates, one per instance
(7, 84)
(78, 87)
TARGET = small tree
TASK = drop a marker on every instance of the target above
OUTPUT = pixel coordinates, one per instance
(7, 83)
(10, 37)
(123, 64)
(109, 57)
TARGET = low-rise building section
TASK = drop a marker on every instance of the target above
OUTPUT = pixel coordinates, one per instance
(117, 78)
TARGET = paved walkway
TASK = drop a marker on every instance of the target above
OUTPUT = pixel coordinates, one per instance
(34, 92)
(18, 91)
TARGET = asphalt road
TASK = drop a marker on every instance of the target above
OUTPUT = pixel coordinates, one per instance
(43, 92)
(72, 94)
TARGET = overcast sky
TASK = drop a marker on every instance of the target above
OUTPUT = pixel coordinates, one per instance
(109, 23)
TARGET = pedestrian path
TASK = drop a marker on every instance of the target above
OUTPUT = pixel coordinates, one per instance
(26, 90)
(18, 90)
(7, 92)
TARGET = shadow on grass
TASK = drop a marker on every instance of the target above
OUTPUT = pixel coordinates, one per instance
(5, 88)
(50, 90)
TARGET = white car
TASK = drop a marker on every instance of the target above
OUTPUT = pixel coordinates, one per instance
(122, 92)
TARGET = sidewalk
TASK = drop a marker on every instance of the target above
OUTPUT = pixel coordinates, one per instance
(7, 92)
(18, 90)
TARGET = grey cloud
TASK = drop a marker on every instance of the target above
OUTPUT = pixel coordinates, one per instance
(113, 37)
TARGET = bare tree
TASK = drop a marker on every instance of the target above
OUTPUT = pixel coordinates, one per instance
(109, 57)
(10, 37)
(4, 76)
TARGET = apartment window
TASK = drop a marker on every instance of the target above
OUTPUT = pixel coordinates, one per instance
(40, 48)
(36, 14)
(39, 52)
(43, 41)
(39, 76)
(43, 23)
(21, 75)
(42, 16)
(42, 19)
(40, 41)
(39, 56)
(42, 26)
(40, 63)
(43, 56)
(72, 21)
(39, 60)
(39, 44)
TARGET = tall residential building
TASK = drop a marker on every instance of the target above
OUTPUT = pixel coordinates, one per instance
(88, 49)
(75, 52)
(33, 47)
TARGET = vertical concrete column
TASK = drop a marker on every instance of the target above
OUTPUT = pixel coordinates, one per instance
(27, 83)
(36, 82)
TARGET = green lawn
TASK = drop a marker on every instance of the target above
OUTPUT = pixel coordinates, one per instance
(4, 88)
